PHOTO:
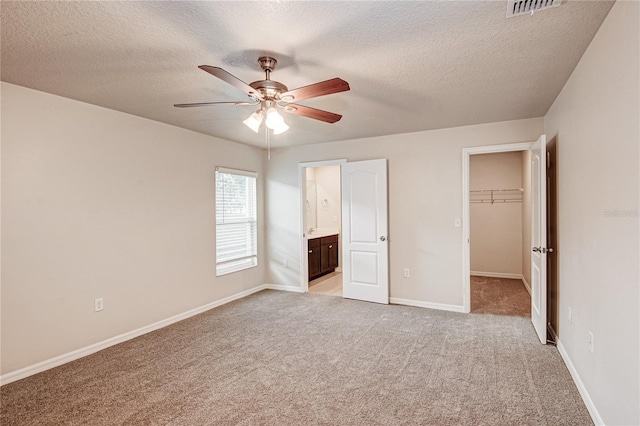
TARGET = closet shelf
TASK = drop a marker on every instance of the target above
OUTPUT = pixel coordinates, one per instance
(492, 196)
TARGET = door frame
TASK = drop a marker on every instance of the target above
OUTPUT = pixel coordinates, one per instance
(302, 236)
(466, 247)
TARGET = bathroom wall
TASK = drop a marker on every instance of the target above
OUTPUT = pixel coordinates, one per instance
(311, 210)
(329, 201)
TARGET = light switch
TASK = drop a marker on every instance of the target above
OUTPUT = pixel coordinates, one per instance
(457, 222)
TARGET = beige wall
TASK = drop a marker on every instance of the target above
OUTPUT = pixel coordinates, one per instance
(496, 229)
(97, 203)
(425, 196)
(596, 120)
(526, 217)
(328, 184)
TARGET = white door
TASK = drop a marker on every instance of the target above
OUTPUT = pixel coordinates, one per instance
(365, 248)
(539, 237)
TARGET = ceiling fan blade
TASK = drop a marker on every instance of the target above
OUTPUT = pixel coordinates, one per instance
(335, 85)
(199, 104)
(314, 113)
(232, 80)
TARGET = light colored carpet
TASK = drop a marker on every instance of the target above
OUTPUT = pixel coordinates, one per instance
(499, 296)
(278, 358)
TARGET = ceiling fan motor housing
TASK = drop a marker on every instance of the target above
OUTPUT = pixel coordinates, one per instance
(267, 63)
(269, 88)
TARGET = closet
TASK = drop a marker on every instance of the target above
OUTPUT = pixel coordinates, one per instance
(498, 189)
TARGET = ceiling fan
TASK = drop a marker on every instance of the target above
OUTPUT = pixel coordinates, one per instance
(272, 95)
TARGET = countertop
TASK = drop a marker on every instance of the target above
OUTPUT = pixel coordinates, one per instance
(321, 232)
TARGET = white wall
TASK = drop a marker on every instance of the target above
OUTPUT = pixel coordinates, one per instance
(596, 120)
(526, 216)
(328, 185)
(425, 195)
(311, 209)
(496, 229)
(98, 203)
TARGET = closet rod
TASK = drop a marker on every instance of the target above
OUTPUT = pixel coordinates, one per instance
(498, 190)
(495, 201)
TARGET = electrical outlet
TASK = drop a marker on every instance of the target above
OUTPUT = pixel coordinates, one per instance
(99, 304)
(570, 316)
(590, 341)
(407, 272)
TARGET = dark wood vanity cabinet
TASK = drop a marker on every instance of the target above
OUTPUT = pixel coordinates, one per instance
(314, 258)
(323, 256)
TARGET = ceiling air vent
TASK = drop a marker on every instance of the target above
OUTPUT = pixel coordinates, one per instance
(523, 7)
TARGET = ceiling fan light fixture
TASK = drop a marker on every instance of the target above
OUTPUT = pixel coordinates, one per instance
(281, 128)
(254, 121)
(275, 121)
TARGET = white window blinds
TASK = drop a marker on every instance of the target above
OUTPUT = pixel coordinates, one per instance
(236, 221)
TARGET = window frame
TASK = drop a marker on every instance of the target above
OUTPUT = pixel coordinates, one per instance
(229, 266)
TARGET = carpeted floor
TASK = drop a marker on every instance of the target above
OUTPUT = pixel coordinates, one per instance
(278, 358)
(499, 296)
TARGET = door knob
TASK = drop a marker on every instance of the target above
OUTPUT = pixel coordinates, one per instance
(542, 250)
(383, 238)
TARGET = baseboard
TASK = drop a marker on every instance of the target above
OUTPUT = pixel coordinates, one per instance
(88, 350)
(496, 275)
(284, 288)
(593, 411)
(526, 284)
(430, 305)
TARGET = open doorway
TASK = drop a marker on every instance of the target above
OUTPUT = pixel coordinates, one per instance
(499, 185)
(539, 232)
(323, 220)
(467, 155)
(356, 235)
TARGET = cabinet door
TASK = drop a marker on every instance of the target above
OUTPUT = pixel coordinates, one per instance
(314, 262)
(324, 258)
(332, 254)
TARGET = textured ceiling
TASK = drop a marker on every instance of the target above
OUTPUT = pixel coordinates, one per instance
(411, 65)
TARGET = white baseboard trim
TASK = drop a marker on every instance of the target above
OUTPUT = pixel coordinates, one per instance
(430, 305)
(526, 284)
(284, 288)
(88, 350)
(593, 411)
(496, 275)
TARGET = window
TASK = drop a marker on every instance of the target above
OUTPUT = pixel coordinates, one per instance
(236, 221)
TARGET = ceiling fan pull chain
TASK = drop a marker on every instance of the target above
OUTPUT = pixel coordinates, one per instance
(266, 134)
